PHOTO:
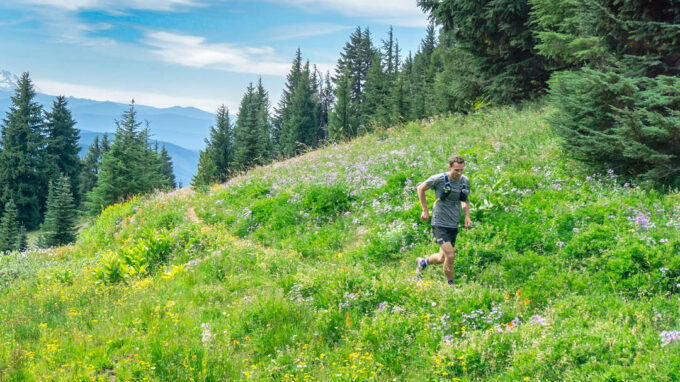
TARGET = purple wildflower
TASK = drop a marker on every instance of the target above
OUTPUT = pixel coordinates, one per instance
(668, 337)
(539, 320)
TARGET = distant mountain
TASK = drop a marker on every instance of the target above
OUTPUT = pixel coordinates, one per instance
(7, 80)
(184, 126)
(184, 161)
(181, 129)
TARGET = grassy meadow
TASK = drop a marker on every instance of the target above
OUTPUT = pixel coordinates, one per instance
(303, 270)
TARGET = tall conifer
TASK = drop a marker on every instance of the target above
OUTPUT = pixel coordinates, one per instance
(23, 163)
(167, 170)
(129, 167)
(216, 160)
(62, 144)
(9, 228)
(59, 227)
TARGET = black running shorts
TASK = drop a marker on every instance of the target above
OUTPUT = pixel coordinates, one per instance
(445, 234)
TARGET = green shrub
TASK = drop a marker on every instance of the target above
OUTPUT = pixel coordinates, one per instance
(326, 201)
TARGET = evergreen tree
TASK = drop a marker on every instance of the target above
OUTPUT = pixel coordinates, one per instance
(617, 101)
(423, 77)
(62, 144)
(104, 144)
(326, 100)
(9, 228)
(288, 132)
(498, 38)
(23, 163)
(22, 242)
(252, 132)
(150, 169)
(90, 166)
(263, 125)
(342, 121)
(353, 65)
(167, 170)
(59, 227)
(207, 169)
(129, 167)
(375, 108)
(299, 124)
(215, 162)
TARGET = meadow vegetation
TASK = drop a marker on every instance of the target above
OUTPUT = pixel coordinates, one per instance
(304, 270)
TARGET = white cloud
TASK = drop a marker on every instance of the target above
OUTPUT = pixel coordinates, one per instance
(395, 12)
(194, 51)
(114, 6)
(296, 31)
(124, 96)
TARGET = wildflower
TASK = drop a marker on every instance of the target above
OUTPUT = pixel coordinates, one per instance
(382, 306)
(207, 335)
(668, 337)
(560, 244)
(448, 338)
(539, 320)
(576, 230)
(663, 270)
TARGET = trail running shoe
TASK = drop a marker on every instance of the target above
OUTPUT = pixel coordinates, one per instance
(419, 267)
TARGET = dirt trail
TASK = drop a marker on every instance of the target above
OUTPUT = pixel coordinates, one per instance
(191, 215)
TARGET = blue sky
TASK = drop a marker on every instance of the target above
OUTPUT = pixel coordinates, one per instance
(185, 52)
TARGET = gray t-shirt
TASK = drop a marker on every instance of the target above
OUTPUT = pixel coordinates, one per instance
(446, 213)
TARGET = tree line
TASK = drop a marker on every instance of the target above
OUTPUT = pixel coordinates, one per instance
(45, 185)
(371, 86)
(610, 69)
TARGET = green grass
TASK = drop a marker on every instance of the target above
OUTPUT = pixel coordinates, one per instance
(303, 270)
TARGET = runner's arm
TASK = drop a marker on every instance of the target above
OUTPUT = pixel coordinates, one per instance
(466, 209)
(423, 201)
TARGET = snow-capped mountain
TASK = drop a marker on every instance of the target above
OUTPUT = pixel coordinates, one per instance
(8, 81)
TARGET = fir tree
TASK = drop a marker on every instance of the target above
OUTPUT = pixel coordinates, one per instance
(326, 100)
(353, 65)
(616, 103)
(374, 108)
(498, 38)
(215, 162)
(283, 137)
(167, 169)
(23, 162)
(207, 169)
(129, 167)
(22, 241)
(59, 227)
(90, 167)
(342, 121)
(62, 144)
(9, 228)
(246, 135)
(263, 125)
(104, 144)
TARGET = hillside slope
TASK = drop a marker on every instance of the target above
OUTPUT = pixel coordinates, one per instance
(303, 270)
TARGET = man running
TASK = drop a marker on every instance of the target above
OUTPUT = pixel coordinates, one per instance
(452, 190)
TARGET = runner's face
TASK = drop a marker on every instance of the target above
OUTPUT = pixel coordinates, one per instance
(456, 171)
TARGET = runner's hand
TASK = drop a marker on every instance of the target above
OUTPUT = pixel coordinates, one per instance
(425, 216)
(468, 222)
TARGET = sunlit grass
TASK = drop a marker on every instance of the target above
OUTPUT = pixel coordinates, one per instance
(303, 270)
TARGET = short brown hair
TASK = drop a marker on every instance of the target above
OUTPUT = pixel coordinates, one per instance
(456, 159)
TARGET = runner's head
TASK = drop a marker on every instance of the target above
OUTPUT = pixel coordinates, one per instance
(456, 167)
